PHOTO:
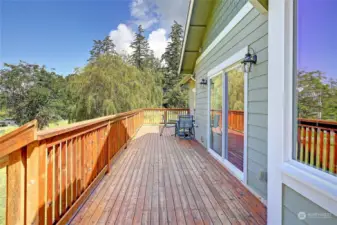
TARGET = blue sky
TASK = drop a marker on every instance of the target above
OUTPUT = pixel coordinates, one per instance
(317, 36)
(59, 33)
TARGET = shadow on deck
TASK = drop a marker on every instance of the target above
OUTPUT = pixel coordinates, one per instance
(165, 180)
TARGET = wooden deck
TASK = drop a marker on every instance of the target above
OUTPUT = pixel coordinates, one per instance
(165, 180)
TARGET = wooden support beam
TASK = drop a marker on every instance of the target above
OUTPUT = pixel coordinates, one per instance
(260, 5)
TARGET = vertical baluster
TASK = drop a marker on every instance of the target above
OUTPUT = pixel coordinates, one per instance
(319, 148)
(95, 153)
(74, 170)
(79, 167)
(57, 172)
(63, 179)
(50, 186)
(325, 150)
(335, 161)
(306, 148)
(332, 152)
(83, 165)
(69, 172)
(302, 144)
(298, 143)
(90, 158)
(312, 146)
(43, 182)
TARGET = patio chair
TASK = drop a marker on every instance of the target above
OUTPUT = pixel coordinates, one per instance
(184, 127)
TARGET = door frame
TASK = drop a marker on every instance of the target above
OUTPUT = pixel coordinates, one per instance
(220, 70)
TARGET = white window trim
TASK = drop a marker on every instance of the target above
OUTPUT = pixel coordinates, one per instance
(216, 71)
(313, 184)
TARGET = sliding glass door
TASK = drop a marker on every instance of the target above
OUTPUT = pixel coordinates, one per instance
(234, 134)
(216, 103)
(226, 117)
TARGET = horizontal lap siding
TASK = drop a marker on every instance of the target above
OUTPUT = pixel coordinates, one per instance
(293, 203)
(253, 31)
(224, 11)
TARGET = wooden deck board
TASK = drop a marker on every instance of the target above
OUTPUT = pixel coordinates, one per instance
(165, 180)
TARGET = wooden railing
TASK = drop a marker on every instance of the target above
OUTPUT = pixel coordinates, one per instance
(235, 119)
(50, 173)
(316, 144)
(160, 115)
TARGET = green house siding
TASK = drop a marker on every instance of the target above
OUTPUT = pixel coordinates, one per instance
(251, 31)
(293, 203)
(223, 13)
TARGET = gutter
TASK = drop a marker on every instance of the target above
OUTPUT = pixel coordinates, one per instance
(187, 26)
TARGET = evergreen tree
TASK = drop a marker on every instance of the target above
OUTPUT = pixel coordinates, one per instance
(100, 47)
(152, 62)
(140, 48)
(174, 96)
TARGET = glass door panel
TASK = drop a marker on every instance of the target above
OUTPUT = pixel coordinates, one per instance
(216, 87)
(235, 117)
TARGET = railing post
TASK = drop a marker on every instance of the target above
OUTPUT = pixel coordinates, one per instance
(16, 187)
(33, 182)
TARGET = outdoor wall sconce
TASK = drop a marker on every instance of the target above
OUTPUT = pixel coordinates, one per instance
(203, 82)
(249, 60)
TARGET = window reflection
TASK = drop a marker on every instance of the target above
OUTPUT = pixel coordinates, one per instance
(235, 87)
(316, 84)
(216, 114)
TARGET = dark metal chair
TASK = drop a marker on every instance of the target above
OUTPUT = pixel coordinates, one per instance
(184, 127)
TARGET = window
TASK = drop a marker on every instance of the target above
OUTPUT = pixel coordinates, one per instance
(315, 89)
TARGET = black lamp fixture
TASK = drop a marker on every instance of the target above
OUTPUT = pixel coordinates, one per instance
(203, 82)
(249, 60)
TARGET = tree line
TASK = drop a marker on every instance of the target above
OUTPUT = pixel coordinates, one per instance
(109, 83)
(316, 96)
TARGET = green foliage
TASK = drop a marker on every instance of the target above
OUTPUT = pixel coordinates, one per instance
(172, 77)
(32, 92)
(316, 96)
(101, 47)
(109, 85)
(140, 48)
(216, 93)
(235, 89)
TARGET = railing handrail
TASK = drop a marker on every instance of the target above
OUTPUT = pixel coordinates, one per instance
(44, 134)
(318, 123)
(168, 109)
(18, 138)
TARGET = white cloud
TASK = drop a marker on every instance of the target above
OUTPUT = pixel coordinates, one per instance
(161, 12)
(122, 38)
(142, 13)
(148, 13)
(158, 42)
(171, 10)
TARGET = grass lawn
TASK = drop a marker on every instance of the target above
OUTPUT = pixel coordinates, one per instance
(3, 131)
